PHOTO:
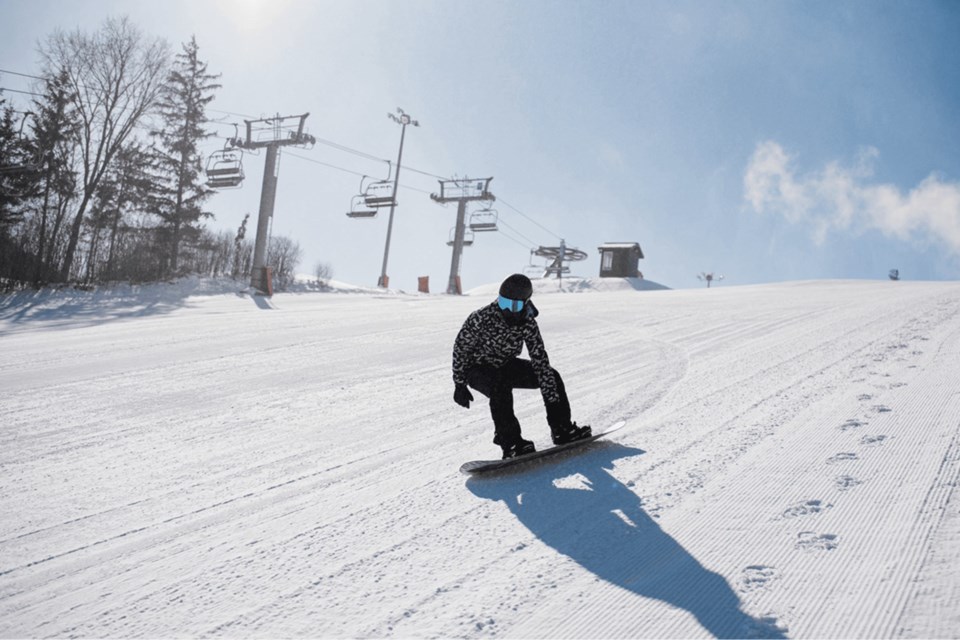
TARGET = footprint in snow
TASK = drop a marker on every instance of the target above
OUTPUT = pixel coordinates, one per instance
(842, 457)
(807, 508)
(845, 482)
(766, 626)
(812, 541)
(882, 408)
(870, 441)
(863, 397)
(756, 577)
(488, 624)
(852, 423)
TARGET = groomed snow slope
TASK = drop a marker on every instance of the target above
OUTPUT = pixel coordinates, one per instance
(221, 465)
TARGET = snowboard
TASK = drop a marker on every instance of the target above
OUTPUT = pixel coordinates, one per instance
(485, 466)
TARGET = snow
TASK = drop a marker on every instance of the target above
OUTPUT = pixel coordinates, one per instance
(191, 460)
(576, 285)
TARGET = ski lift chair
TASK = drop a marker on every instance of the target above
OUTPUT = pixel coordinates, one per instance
(225, 169)
(532, 271)
(359, 208)
(379, 194)
(467, 237)
(483, 220)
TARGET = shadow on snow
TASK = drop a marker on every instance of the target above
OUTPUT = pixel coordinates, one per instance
(66, 306)
(606, 530)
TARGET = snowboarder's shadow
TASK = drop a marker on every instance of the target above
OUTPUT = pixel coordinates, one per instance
(601, 524)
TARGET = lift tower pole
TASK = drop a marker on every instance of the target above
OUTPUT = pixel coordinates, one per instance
(403, 119)
(271, 134)
(461, 191)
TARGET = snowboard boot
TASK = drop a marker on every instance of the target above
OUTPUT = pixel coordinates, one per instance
(522, 447)
(571, 433)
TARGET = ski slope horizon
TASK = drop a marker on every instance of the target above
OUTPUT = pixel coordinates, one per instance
(191, 460)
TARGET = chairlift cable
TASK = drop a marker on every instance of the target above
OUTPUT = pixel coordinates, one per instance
(369, 156)
(17, 73)
(426, 173)
(350, 171)
(355, 152)
(512, 239)
(29, 93)
(330, 143)
(322, 141)
(327, 164)
(232, 113)
(530, 219)
(512, 228)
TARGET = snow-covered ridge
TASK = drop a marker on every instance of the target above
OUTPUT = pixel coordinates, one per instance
(543, 286)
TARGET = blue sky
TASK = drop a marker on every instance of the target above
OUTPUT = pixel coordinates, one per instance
(764, 141)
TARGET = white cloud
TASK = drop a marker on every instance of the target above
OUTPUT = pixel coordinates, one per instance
(840, 198)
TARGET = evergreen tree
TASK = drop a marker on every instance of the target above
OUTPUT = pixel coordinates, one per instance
(129, 184)
(14, 186)
(181, 192)
(14, 166)
(54, 131)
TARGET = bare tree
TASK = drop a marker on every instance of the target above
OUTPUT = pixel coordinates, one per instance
(283, 255)
(116, 75)
(324, 272)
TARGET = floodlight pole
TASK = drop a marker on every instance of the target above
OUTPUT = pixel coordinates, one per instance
(404, 119)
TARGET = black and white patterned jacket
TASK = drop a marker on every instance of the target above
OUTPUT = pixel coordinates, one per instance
(486, 338)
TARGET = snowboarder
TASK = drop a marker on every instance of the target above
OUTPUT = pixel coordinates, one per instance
(485, 357)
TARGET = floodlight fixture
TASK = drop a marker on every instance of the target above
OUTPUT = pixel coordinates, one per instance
(404, 118)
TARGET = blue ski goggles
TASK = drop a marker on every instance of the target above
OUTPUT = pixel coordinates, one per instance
(507, 304)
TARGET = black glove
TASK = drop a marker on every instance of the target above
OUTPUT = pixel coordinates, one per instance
(462, 396)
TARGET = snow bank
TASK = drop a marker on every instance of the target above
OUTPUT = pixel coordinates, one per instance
(69, 304)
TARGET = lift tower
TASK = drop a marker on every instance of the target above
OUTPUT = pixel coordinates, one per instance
(270, 134)
(461, 191)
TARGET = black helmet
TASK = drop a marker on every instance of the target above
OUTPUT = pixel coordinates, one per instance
(517, 287)
(514, 300)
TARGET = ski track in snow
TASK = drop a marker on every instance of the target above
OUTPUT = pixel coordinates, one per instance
(226, 468)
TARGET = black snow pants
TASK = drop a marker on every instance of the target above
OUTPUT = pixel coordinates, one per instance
(498, 385)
